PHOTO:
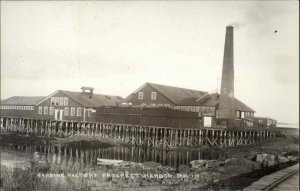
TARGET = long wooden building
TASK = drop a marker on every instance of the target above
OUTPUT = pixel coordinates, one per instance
(207, 105)
(60, 105)
(266, 121)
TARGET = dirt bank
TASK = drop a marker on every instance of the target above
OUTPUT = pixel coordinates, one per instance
(79, 141)
(86, 141)
(6, 139)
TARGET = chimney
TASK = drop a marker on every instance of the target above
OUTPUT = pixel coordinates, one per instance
(87, 90)
(226, 101)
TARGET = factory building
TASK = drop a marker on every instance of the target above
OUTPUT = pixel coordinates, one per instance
(60, 105)
(207, 105)
(210, 107)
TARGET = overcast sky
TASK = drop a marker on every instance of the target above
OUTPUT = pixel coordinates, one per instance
(117, 46)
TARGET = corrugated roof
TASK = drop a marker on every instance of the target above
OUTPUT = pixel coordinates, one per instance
(213, 100)
(22, 100)
(179, 96)
(94, 100)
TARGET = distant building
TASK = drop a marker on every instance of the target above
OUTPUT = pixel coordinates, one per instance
(60, 105)
(266, 121)
(155, 95)
(20, 107)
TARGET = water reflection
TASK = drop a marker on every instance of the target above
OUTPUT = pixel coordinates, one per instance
(80, 158)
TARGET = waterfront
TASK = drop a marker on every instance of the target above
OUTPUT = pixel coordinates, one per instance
(79, 158)
(73, 166)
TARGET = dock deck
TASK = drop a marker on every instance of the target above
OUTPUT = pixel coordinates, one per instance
(286, 179)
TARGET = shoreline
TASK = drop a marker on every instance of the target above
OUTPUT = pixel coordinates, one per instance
(244, 161)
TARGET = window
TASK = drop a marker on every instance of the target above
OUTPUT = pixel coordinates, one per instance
(40, 110)
(65, 101)
(51, 109)
(61, 101)
(72, 111)
(45, 110)
(260, 121)
(52, 100)
(56, 100)
(78, 111)
(141, 96)
(238, 114)
(153, 95)
(89, 113)
(66, 111)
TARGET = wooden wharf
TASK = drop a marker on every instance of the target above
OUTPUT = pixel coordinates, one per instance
(273, 181)
(150, 136)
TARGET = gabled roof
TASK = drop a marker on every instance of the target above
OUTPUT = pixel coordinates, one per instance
(179, 96)
(213, 100)
(22, 100)
(93, 100)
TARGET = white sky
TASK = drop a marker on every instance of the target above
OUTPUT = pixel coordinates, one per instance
(117, 46)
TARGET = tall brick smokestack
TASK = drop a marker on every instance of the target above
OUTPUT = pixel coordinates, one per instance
(226, 101)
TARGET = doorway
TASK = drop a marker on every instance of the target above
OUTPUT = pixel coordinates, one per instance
(207, 121)
(58, 114)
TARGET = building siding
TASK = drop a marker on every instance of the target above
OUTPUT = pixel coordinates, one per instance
(265, 121)
(71, 104)
(18, 113)
(147, 90)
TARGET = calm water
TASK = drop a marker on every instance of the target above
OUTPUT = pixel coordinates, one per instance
(80, 158)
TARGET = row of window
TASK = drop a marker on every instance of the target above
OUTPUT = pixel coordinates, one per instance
(66, 111)
(61, 101)
(153, 104)
(269, 121)
(17, 107)
(247, 113)
(241, 114)
(141, 95)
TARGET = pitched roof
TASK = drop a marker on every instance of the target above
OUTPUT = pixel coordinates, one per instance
(22, 100)
(179, 96)
(213, 100)
(94, 100)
